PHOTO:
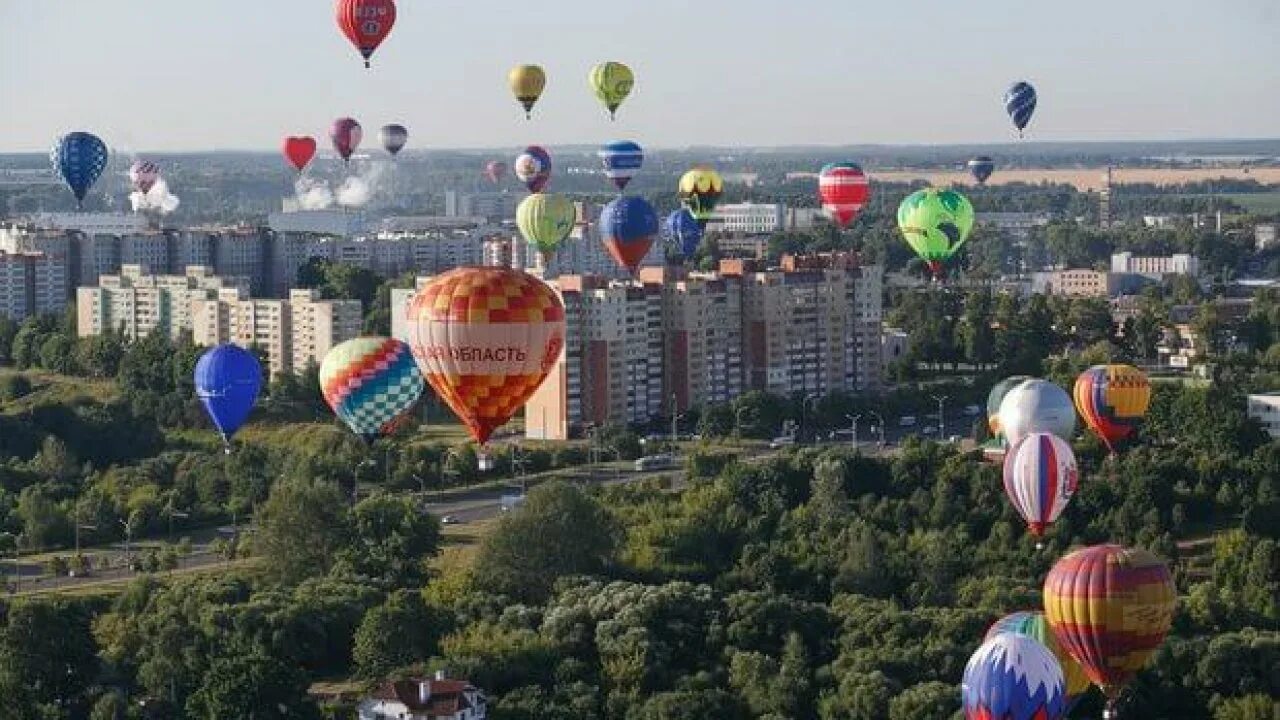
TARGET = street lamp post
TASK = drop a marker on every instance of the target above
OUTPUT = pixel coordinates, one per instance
(517, 466)
(853, 429)
(804, 410)
(879, 419)
(128, 535)
(942, 418)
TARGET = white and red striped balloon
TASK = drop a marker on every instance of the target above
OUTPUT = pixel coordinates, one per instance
(844, 191)
(1040, 476)
(143, 174)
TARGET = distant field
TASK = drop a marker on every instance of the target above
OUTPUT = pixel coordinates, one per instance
(1261, 203)
(1087, 178)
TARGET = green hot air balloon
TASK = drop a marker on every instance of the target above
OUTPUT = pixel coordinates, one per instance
(935, 223)
(545, 220)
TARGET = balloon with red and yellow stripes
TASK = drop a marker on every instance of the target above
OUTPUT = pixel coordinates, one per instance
(1113, 399)
(1110, 608)
(371, 383)
(485, 338)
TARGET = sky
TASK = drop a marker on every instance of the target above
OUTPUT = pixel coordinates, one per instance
(175, 75)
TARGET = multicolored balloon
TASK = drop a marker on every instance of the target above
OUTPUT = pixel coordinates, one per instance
(527, 83)
(80, 158)
(1034, 626)
(346, 135)
(935, 223)
(394, 137)
(299, 151)
(981, 168)
(628, 227)
(1113, 399)
(1110, 607)
(366, 23)
(844, 191)
(486, 338)
(533, 168)
(1040, 478)
(682, 232)
(700, 191)
(1020, 103)
(228, 379)
(996, 396)
(1013, 677)
(143, 175)
(621, 160)
(545, 220)
(1037, 406)
(372, 384)
(495, 170)
(611, 82)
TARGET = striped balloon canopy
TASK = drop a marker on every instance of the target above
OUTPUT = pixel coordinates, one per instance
(621, 160)
(1034, 626)
(1113, 399)
(485, 338)
(981, 168)
(1020, 103)
(1040, 477)
(1013, 677)
(372, 384)
(843, 190)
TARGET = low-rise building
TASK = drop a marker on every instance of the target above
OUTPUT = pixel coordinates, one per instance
(1155, 267)
(1077, 283)
(1265, 236)
(424, 699)
(749, 218)
(1265, 408)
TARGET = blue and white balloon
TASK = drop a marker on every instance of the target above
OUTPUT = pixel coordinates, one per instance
(1013, 677)
(80, 158)
(621, 160)
(682, 232)
(1020, 103)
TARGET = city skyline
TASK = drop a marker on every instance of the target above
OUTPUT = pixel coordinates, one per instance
(1105, 72)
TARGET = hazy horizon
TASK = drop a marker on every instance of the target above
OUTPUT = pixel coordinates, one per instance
(238, 75)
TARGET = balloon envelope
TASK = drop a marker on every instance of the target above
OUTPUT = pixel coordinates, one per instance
(1110, 607)
(394, 138)
(628, 227)
(1113, 399)
(700, 190)
(1040, 477)
(1013, 677)
(527, 83)
(1020, 103)
(228, 379)
(494, 170)
(843, 190)
(935, 223)
(299, 151)
(545, 220)
(981, 168)
(485, 338)
(682, 232)
(996, 396)
(346, 135)
(611, 82)
(1035, 626)
(621, 160)
(143, 175)
(533, 168)
(1037, 406)
(371, 383)
(366, 23)
(80, 158)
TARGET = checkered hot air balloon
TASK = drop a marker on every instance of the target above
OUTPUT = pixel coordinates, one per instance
(1113, 399)
(1034, 626)
(485, 338)
(1013, 677)
(371, 383)
(1040, 477)
(844, 191)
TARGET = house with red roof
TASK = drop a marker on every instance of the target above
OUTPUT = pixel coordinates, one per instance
(424, 699)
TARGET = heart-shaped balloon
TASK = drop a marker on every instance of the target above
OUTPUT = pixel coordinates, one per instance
(299, 151)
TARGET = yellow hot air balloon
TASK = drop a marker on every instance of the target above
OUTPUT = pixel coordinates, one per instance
(545, 220)
(527, 83)
(700, 190)
(1113, 399)
(612, 83)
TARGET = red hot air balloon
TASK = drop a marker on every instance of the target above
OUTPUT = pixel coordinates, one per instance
(299, 151)
(346, 135)
(844, 191)
(366, 23)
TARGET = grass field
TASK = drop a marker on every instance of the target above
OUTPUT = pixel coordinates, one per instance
(1259, 203)
(52, 389)
(1086, 178)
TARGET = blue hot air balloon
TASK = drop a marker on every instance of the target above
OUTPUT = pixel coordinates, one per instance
(80, 158)
(228, 379)
(1020, 103)
(1013, 677)
(682, 232)
(628, 227)
(981, 168)
(622, 160)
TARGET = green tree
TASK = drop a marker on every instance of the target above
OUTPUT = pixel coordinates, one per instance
(110, 706)
(43, 522)
(395, 634)
(8, 330)
(926, 701)
(301, 529)
(975, 332)
(100, 355)
(47, 655)
(392, 540)
(248, 682)
(1249, 707)
(58, 353)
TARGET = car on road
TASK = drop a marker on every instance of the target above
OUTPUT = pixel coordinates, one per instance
(929, 430)
(448, 520)
(655, 462)
(781, 441)
(954, 439)
(972, 410)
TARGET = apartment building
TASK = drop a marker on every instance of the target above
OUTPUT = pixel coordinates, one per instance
(31, 283)
(1156, 268)
(136, 303)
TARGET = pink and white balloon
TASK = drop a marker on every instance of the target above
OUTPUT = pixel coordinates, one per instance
(143, 175)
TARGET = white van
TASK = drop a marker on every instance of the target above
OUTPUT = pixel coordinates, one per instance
(907, 421)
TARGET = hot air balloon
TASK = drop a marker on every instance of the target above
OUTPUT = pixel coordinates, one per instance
(935, 223)
(1020, 103)
(1040, 477)
(366, 23)
(299, 151)
(346, 135)
(843, 189)
(1112, 399)
(621, 160)
(527, 83)
(981, 168)
(1034, 626)
(682, 232)
(372, 384)
(143, 175)
(700, 190)
(612, 83)
(545, 220)
(996, 396)
(495, 170)
(485, 338)
(1013, 677)
(80, 158)
(228, 379)
(533, 168)
(394, 138)
(1037, 406)
(628, 227)
(1110, 608)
